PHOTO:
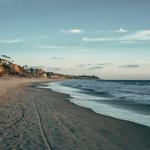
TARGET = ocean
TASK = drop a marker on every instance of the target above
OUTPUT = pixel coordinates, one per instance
(125, 100)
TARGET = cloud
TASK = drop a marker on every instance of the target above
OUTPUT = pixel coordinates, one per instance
(121, 30)
(84, 65)
(129, 66)
(96, 67)
(11, 41)
(57, 58)
(61, 47)
(53, 47)
(127, 42)
(57, 47)
(99, 65)
(20, 40)
(86, 39)
(103, 64)
(93, 66)
(138, 36)
(73, 31)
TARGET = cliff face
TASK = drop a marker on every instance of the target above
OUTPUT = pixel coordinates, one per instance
(2, 70)
(9, 68)
(15, 69)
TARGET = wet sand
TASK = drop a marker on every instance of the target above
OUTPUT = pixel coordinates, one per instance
(40, 119)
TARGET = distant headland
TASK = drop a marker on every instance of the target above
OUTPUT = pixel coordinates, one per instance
(9, 68)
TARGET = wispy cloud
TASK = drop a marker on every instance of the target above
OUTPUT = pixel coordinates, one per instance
(129, 66)
(73, 31)
(104, 64)
(57, 58)
(84, 65)
(93, 66)
(99, 66)
(11, 41)
(76, 31)
(16, 40)
(61, 47)
(138, 36)
(53, 47)
(121, 30)
(86, 39)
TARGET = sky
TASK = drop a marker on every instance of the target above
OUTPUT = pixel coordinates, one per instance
(107, 38)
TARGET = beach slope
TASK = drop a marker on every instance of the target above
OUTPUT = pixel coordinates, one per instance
(32, 118)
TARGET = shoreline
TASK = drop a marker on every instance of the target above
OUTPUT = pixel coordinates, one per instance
(64, 124)
(68, 98)
(74, 97)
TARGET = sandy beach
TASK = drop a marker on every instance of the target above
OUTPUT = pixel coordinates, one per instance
(40, 119)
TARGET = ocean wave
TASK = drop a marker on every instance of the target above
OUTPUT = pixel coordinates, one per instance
(115, 99)
(136, 91)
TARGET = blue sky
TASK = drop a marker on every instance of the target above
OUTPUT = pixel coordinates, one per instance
(108, 38)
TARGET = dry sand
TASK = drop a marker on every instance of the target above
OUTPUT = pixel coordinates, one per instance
(40, 119)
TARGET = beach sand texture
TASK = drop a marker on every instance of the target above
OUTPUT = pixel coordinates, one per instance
(40, 119)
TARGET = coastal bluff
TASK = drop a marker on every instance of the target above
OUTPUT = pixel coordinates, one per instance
(9, 68)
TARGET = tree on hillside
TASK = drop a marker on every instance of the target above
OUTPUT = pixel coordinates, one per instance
(6, 57)
(25, 67)
(31, 70)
